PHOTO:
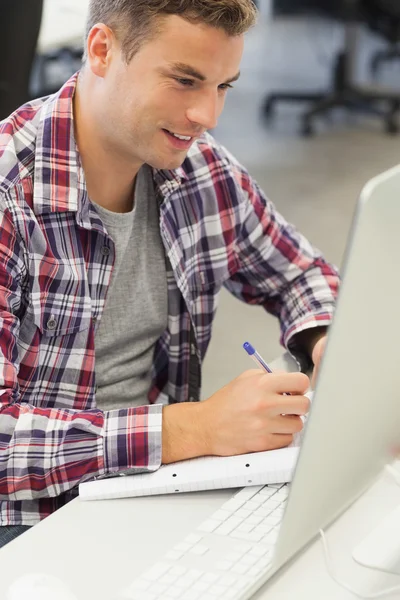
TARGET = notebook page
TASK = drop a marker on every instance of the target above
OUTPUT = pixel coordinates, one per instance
(205, 473)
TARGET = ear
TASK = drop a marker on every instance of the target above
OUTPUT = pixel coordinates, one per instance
(101, 47)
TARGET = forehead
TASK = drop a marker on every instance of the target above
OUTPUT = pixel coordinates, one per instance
(205, 48)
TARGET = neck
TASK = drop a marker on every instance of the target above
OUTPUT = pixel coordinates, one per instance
(110, 177)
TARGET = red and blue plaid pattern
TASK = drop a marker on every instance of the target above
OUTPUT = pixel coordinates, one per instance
(218, 229)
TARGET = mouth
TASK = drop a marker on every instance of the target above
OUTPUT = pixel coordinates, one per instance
(179, 141)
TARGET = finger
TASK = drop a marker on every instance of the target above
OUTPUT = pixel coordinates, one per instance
(289, 424)
(290, 383)
(314, 377)
(289, 405)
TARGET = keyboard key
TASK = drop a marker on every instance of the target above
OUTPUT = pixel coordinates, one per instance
(158, 588)
(250, 537)
(234, 556)
(184, 582)
(193, 538)
(173, 593)
(222, 514)
(174, 555)
(230, 594)
(254, 571)
(228, 579)
(156, 572)
(209, 577)
(246, 527)
(216, 591)
(178, 570)
(228, 526)
(254, 520)
(240, 569)
(191, 595)
(200, 586)
(224, 565)
(209, 526)
(267, 491)
(259, 551)
(194, 574)
(199, 550)
(182, 547)
(141, 595)
(249, 559)
(140, 584)
(243, 513)
(168, 578)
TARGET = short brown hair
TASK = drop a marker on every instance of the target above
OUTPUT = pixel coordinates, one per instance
(136, 21)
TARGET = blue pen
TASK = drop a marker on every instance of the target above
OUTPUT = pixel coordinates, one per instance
(252, 352)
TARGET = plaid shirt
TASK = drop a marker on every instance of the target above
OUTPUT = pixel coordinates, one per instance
(218, 229)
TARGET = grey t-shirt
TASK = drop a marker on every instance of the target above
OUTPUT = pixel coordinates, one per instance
(136, 309)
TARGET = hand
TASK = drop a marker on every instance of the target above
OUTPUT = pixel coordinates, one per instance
(250, 414)
(317, 354)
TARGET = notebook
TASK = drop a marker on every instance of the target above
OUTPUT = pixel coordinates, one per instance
(199, 474)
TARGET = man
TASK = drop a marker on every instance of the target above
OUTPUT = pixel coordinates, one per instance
(121, 219)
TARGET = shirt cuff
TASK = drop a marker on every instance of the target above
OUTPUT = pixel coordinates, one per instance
(298, 352)
(132, 439)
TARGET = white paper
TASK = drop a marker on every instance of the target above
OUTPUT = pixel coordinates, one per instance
(207, 473)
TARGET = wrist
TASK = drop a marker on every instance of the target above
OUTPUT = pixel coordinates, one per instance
(184, 432)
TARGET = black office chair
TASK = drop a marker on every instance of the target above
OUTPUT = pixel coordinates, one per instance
(343, 93)
(20, 25)
(383, 17)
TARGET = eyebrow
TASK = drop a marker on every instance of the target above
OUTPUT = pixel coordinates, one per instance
(191, 72)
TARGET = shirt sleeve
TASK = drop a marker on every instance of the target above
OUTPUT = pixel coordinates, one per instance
(279, 268)
(45, 452)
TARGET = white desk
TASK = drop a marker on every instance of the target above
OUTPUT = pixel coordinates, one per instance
(95, 549)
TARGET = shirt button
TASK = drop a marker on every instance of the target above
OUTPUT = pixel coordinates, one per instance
(191, 399)
(105, 251)
(51, 323)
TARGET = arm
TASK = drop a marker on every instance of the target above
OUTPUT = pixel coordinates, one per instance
(279, 269)
(47, 451)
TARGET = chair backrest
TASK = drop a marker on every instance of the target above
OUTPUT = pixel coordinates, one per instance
(338, 9)
(383, 16)
(20, 20)
(391, 8)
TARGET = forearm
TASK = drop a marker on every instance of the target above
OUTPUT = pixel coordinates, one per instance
(47, 452)
(184, 432)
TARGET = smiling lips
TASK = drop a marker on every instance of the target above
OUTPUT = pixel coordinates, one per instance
(181, 142)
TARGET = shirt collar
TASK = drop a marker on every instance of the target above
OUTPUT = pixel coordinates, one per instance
(59, 181)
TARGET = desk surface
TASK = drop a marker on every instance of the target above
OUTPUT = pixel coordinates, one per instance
(93, 550)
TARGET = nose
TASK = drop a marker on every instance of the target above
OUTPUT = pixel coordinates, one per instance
(205, 110)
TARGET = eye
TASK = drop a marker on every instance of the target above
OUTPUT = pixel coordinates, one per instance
(225, 87)
(185, 82)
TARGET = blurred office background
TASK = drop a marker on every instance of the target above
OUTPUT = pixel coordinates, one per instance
(313, 169)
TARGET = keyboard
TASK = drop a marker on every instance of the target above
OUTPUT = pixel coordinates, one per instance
(224, 557)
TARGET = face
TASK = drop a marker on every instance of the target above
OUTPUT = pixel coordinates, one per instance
(175, 85)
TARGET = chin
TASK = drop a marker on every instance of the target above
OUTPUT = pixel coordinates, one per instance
(167, 164)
